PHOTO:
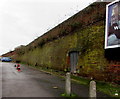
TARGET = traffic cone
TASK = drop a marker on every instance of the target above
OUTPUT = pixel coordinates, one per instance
(18, 67)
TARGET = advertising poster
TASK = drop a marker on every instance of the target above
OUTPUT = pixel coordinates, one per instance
(112, 35)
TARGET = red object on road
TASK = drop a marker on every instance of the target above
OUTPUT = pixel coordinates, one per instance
(18, 67)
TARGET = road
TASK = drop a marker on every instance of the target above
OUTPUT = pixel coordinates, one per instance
(28, 82)
(33, 83)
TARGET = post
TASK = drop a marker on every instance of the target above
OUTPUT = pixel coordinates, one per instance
(92, 90)
(68, 84)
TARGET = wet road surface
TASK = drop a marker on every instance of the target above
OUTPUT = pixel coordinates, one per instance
(28, 82)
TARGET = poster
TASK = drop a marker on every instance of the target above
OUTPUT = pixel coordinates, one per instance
(112, 35)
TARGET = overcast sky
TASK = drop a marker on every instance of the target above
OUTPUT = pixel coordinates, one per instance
(21, 21)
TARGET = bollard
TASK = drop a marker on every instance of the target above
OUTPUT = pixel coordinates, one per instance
(92, 90)
(68, 84)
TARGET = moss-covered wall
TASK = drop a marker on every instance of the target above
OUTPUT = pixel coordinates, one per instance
(52, 54)
(88, 41)
(91, 46)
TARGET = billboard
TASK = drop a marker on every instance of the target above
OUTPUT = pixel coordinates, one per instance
(112, 33)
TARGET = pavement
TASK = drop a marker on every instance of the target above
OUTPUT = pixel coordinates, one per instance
(33, 83)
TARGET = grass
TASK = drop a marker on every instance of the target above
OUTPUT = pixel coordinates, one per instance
(108, 88)
(80, 80)
(71, 96)
(105, 87)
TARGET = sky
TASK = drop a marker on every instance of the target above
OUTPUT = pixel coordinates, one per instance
(22, 21)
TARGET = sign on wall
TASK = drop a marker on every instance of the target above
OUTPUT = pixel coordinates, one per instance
(112, 33)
